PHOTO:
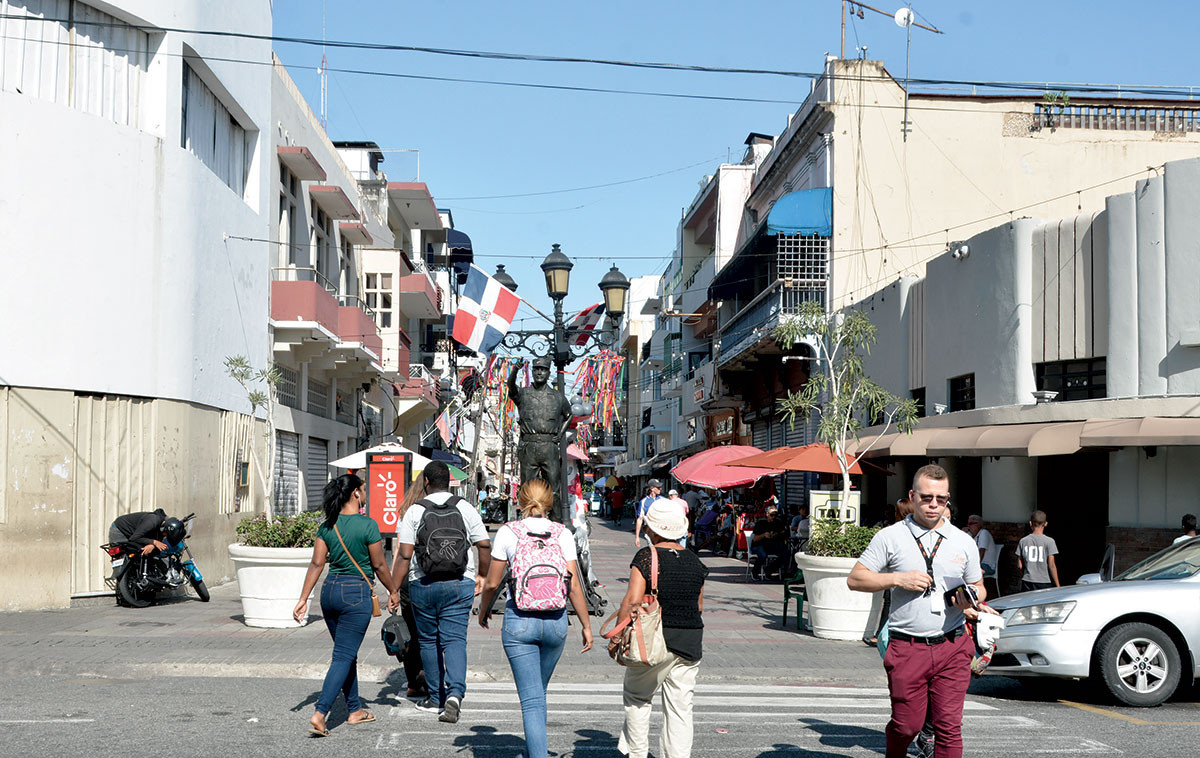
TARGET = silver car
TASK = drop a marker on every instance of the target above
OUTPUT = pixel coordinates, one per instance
(1139, 632)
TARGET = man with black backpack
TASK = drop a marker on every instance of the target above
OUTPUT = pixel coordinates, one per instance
(439, 531)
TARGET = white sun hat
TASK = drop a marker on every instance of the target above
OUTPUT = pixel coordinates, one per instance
(667, 519)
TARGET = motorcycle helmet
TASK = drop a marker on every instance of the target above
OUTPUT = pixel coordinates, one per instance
(173, 531)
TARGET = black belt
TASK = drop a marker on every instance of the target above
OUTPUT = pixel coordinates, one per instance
(949, 636)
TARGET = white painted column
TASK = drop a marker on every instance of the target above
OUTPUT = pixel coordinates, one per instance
(1151, 288)
(1181, 198)
(1122, 314)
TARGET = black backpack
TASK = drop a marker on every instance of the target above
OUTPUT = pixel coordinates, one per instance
(443, 544)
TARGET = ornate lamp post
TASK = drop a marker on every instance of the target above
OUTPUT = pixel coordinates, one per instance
(563, 344)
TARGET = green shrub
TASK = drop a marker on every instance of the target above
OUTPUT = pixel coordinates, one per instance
(281, 531)
(835, 539)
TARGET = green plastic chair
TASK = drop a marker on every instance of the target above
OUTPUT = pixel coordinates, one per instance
(793, 587)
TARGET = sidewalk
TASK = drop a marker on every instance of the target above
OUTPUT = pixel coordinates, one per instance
(743, 638)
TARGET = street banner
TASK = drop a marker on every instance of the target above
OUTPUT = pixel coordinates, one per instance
(388, 475)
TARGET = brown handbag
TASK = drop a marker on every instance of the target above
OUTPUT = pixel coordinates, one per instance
(374, 598)
(638, 641)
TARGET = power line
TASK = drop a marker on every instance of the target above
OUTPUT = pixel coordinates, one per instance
(1180, 91)
(590, 187)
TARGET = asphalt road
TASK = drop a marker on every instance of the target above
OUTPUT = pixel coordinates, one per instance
(78, 716)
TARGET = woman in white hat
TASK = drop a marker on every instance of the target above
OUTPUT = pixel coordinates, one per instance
(681, 600)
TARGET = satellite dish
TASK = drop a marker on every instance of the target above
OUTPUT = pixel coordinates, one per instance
(904, 17)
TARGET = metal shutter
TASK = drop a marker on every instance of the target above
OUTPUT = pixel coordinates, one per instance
(316, 471)
(795, 482)
(759, 434)
(287, 473)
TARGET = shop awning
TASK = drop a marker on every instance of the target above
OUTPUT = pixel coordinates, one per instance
(955, 441)
(806, 212)
(1142, 432)
(894, 444)
(1030, 440)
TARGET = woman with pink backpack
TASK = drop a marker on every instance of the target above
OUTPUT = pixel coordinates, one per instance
(539, 556)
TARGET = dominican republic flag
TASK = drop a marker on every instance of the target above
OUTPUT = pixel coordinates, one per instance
(587, 321)
(485, 312)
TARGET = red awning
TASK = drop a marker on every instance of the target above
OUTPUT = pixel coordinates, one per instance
(705, 469)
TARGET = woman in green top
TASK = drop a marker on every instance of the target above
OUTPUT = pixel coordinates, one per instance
(346, 593)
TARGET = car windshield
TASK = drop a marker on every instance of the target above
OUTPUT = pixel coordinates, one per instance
(1176, 562)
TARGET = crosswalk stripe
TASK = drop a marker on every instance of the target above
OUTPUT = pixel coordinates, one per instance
(701, 689)
(698, 701)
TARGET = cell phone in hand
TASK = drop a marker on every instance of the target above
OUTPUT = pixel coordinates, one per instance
(964, 593)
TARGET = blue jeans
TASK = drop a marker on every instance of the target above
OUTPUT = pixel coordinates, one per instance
(443, 610)
(346, 606)
(533, 643)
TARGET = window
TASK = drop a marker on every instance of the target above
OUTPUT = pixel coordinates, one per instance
(919, 395)
(804, 261)
(1073, 380)
(211, 133)
(322, 242)
(962, 393)
(80, 58)
(289, 218)
(379, 298)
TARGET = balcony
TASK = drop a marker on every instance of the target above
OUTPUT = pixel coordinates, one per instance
(750, 328)
(356, 324)
(416, 397)
(420, 297)
(695, 287)
(302, 295)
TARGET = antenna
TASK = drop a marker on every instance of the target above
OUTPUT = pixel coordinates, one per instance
(904, 19)
(324, 72)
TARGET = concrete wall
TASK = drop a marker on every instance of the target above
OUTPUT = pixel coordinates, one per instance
(1152, 491)
(67, 474)
(131, 287)
(977, 318)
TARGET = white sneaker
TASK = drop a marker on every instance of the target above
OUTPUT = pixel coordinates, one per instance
(450, 710)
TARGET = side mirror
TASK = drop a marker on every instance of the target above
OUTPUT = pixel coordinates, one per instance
(1107, 562)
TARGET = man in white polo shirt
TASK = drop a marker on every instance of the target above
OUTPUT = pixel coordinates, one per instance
(920, 560)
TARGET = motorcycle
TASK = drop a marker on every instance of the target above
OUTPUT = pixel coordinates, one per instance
(141, 577)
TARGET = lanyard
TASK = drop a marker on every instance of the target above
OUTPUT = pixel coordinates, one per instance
(929, 556)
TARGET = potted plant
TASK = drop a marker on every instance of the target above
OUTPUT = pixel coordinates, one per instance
(834, 611)
(272, 556)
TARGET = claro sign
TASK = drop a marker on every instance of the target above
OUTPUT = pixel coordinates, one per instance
(388, 475)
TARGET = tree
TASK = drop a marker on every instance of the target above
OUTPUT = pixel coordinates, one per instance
(238, 367)
(840, 390)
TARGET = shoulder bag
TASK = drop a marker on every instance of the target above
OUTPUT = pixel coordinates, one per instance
(374, 598)
(638, 641)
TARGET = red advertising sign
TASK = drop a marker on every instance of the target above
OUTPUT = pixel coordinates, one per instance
(388, 475)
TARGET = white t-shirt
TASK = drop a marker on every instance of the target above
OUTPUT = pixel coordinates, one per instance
(407, 533)
(986, 543)
(1182, 537)
(505, 544)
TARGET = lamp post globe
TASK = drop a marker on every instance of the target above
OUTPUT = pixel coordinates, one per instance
(503, 277)
(557, 268)
(615, 287)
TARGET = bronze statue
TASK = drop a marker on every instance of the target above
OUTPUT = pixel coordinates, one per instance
(544, 416)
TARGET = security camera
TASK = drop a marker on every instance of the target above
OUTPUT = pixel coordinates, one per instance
(959, 251)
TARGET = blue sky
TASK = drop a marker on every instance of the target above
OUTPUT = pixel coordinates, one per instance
(478, 141)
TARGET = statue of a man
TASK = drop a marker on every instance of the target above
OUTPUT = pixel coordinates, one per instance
(544, 414)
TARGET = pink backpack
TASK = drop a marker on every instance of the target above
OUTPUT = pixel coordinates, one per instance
(538, 569)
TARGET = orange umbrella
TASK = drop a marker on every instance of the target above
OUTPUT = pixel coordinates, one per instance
(815, 457)
(767, 459)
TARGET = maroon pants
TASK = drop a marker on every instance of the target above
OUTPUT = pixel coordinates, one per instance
(927, 677)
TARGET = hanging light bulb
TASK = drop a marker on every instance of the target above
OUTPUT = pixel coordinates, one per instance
(860, 12)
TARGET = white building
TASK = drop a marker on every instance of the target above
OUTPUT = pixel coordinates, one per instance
(1095, 316)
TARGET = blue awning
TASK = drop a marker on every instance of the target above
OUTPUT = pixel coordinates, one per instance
(805, 212)
(445, 457)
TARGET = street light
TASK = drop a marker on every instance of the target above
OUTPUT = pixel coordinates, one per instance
(505, 280)
(557, 268)
(615, 287)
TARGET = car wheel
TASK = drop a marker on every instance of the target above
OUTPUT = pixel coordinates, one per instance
(1139, 664)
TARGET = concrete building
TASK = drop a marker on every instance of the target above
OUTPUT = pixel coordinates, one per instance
(636, 329)
(846, 203)
(1059, 369)
(115, 396)
(209, 216)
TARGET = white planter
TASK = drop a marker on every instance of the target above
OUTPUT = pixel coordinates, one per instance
(270, 580)
(835, 611)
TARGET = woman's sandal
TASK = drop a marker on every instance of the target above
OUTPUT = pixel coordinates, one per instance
(368, 718)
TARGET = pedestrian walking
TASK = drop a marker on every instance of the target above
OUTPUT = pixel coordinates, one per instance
(922, 560)
(543, 575)
(414, 669)
(439, 531)
(352, 546)
(618, 504)
(1035, 556)
(653, 489)
(680, 583)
